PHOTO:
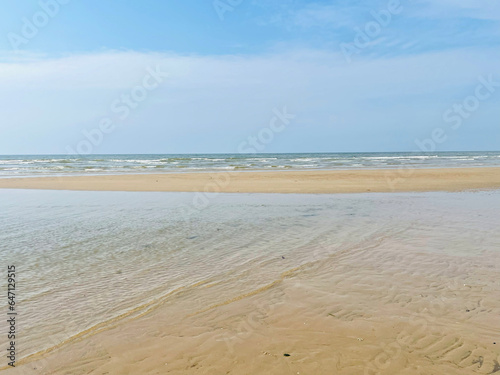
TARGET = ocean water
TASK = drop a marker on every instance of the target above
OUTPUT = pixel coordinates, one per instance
(43, 165)
(85, 260)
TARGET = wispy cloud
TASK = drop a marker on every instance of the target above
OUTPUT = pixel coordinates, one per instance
(422, 25)
(467, 9)
(210, 103)
(318, 15)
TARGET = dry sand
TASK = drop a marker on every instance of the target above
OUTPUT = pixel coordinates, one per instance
(348, 181)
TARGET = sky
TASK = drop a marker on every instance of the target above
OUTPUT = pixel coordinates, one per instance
(207, 76)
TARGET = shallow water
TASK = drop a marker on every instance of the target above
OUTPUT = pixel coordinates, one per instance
(84, 258)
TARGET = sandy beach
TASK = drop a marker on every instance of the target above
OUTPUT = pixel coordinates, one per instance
(258, 283)
(339, 181)
(374, 310)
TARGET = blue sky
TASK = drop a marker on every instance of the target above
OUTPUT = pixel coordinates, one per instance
(357, 75)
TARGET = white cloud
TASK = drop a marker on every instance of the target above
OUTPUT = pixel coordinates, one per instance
(317, 15)
(210, 103)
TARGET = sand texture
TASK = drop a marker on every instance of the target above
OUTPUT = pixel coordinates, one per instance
(348, 181)
(373, 310)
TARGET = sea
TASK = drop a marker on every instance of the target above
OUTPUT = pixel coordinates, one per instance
(58, 165)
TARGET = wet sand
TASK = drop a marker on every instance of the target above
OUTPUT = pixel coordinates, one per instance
(348, 181)
(391, 304)
(374, 310)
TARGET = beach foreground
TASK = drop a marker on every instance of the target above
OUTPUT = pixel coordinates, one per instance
(130, 283)
(357, 313)
(345, 181)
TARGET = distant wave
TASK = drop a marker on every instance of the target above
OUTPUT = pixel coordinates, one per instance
(47, 165)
